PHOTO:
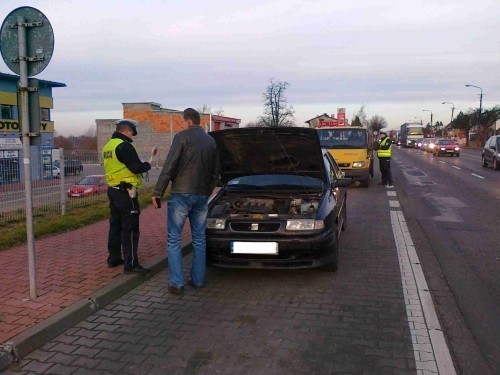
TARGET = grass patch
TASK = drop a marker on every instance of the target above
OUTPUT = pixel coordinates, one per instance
(14, 233)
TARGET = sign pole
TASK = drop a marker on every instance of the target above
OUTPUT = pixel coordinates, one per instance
(25, 130)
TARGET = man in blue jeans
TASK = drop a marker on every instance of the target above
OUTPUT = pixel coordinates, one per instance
(192, 166)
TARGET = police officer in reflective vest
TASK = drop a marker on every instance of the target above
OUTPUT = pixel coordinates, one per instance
(384, 158)
(124, 170)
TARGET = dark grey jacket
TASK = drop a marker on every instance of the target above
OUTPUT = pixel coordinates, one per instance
(192, 164)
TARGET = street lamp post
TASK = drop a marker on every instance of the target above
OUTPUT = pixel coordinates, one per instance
(452, 109)
(420, 119)
(428, 110)
(480, 97)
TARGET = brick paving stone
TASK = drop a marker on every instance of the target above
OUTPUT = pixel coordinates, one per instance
(257, 321)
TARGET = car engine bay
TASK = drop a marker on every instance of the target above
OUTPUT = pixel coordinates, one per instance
(244, 206)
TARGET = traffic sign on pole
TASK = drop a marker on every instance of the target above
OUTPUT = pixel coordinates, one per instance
(39, 40)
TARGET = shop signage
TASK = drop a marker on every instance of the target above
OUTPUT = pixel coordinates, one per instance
(14, 126)
(10, 144)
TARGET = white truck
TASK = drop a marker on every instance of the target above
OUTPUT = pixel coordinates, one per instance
(410, 133)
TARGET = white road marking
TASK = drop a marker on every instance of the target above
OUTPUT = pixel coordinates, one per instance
(394, 204)
(442, 162)
(391, 193)
(432, 355)
(478, 176)
(456, 167)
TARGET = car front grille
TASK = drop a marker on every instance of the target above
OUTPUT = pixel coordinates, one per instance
(344, 165)
(255, 227)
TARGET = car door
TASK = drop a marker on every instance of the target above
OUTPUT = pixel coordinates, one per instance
(487, 151)
(338, 193)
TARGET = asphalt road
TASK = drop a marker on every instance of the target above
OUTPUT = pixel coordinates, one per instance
(452, 208)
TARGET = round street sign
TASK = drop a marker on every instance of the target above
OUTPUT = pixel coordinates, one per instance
(39, 40)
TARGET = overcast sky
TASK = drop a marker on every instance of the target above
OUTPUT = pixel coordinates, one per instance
(395, 57)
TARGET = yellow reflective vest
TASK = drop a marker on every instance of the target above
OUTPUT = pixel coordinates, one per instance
(384, 153)
(115, 170)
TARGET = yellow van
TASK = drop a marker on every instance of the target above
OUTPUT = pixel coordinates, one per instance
(352, 149)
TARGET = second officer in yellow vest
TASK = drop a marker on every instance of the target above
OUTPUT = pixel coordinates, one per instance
(384, 154)
(123, 170)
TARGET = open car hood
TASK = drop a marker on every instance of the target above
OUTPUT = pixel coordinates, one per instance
(281, 150)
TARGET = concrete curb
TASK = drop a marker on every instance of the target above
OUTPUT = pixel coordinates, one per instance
(36, 336)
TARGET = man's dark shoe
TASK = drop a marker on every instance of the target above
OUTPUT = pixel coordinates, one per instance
(140, 270)
(115, 263)
(175, 289)
(191, 283)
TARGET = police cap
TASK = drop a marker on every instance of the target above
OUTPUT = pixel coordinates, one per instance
(132, 123)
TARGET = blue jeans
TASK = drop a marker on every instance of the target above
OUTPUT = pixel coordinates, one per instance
(179, 208)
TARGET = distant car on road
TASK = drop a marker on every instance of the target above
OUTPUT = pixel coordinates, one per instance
(491, 152)
(418, 143)
(431, 143)
(445, 146)
(89, 186)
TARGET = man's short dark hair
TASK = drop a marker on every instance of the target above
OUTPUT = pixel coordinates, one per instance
(191, 114)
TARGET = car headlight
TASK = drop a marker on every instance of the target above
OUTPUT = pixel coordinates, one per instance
(304, 224)
(358, 164)
(431, 146)
(457, 148)
(443, 149)
(89, 190)
(213, 223)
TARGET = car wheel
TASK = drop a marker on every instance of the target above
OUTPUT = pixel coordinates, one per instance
(496, 166)
(485, 163)
(334, 266)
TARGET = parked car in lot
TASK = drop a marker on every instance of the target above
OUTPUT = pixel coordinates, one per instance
(282, 203)
(89, 186)
(51, 171)
(445, 146)
(491, 152)
(71, 167)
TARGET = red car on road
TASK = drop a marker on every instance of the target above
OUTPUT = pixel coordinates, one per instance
(89, 186)
(446, 146)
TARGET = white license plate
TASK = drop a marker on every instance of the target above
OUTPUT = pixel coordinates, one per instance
(254, 247)
(75, 195)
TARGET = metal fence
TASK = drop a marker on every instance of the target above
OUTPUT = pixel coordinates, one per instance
(61, 181)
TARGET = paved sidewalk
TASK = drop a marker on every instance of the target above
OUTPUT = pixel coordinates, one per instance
(71, 273)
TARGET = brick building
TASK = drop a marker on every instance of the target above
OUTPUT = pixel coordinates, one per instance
(157, 126)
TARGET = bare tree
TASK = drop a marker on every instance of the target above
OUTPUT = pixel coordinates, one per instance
(219, 112)
(276, 110)
(361, 115)
(204, 109)
(377, 123)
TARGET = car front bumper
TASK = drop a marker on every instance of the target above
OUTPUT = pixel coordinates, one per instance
(293, 252)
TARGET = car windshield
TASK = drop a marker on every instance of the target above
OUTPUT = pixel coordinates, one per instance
(342, 138)
(276, 181)
(89, 181)
(446, 142)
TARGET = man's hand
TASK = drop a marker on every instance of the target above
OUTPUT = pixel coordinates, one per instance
(156, 202)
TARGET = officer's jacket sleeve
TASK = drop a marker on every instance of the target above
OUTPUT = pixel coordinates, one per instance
(170, 167)
(127, 154)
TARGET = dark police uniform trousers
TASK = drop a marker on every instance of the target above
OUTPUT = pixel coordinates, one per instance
(123, 227)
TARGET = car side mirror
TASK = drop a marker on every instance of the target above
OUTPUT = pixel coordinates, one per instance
(342, 182)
